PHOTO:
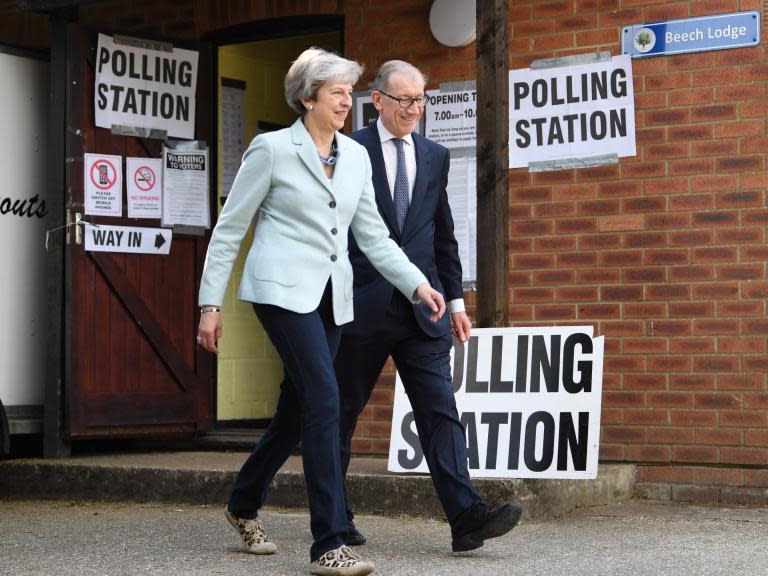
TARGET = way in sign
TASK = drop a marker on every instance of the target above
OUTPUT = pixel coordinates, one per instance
(115, 237)
(102, 238)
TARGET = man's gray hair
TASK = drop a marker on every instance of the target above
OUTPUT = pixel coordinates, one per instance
(381, 82)
(313, 68)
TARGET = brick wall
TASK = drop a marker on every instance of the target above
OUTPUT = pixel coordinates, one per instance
(664, 254)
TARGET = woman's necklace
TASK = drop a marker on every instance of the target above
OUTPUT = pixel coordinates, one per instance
(330, 160)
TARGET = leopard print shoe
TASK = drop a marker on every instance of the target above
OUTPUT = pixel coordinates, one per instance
(341, 562)
(252, 534)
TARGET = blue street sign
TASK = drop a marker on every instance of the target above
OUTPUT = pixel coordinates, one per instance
(701, 34)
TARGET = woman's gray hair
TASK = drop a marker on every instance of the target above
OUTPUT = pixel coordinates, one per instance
(381, 82)
(313, 68)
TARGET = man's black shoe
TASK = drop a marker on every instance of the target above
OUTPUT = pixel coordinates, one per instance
(354, 536)
(477, 524)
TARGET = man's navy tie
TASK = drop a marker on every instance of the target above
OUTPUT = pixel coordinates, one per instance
(401, 186)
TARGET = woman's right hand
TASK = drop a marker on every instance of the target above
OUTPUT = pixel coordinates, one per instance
(433, 299)
(209, 330)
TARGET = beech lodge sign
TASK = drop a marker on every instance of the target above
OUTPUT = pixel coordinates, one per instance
(528, 398)
(144, 87)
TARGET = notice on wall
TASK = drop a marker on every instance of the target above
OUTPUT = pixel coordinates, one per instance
(144, 87)
(103, 184)
(102, 238)
(144, 187)
(451, 118)
(571, 112)
(185, 188)
(462, 197)
(528, 398)
(364, 113)
(232, 132)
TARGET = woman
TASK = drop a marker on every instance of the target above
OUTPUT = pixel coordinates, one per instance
(311, 184)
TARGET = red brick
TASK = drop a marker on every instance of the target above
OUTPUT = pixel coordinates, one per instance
(622, 328)
(598, 311)
(644, 275)
(644, 381)
(741, 381)
(644, 310)
(741, 272)
(536, 261)
(755, 290)
(555, 210)
(667, 221)
(554, 277)
(756, 438)
(623, 434)
(555, 243)
(648, 453)
(744, 419)
(620, 257)
(716, 364)
(718, 437)
(744, 308)
(720, 147)
(720, 218)
(720, 291)
(576, 259)
(718, 476)
(693, 418)
(599, 275)
(689, 345)
(670, 363)
(555, 312)
(668, 292)
(697, 454)
(744, 456)
(576, 226)
(716, 401)
(576, 294)
(714, 182)
(670, 436)
(528, 295)
(756, 401)
(691, 309)
(715, 327)
(740, 164)
(675, 328)
(691, 382)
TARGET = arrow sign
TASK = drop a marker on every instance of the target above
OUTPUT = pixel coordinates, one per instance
(127, 239)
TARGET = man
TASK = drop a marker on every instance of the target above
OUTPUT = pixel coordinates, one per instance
(410, 175)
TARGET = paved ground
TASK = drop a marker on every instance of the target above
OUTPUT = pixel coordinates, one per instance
(639, 538)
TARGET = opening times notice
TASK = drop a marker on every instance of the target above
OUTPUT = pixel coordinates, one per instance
(451, 118)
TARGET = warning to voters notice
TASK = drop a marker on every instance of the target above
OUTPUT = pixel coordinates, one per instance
(185, 188)
(570, 112)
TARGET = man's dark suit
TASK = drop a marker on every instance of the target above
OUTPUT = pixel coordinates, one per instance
(386, 323)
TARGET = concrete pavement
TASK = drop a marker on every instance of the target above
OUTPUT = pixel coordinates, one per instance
(63, 538)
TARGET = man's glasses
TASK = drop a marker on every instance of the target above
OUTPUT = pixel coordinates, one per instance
(406, 101)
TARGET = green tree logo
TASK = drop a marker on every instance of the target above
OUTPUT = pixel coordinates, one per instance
(645, 40)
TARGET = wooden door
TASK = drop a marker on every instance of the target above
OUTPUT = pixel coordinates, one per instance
(132, 365)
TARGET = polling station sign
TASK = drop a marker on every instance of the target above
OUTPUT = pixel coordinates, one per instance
(528, 398)
(571, 112)
(146, 88)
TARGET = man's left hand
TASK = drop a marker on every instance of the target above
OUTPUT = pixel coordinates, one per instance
(460, 325)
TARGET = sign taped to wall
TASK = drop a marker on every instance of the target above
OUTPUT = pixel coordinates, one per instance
(103, 184)
(528, 398)
(145, 87)
(568, 112)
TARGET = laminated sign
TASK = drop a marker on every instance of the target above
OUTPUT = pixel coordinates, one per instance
(145, 88)
(528, 399)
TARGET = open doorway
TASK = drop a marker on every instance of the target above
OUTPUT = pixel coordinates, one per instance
(250, 101)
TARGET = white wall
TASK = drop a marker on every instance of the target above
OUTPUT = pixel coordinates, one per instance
(23, 115)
